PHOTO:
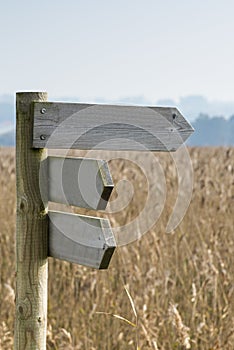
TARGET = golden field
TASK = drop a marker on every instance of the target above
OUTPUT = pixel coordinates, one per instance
(173, 291)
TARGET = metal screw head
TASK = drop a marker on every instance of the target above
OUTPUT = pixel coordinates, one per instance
(42, 137)
(43, 110)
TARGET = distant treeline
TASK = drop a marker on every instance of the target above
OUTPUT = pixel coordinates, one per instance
(209, 131)
(215, 131)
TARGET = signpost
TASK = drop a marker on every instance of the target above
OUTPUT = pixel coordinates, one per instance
(75, 181)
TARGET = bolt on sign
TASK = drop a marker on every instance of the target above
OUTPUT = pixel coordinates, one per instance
(80, 182)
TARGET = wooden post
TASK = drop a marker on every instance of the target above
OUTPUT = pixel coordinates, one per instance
(31, 232)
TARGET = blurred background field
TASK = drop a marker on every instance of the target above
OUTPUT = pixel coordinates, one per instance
(176, 290)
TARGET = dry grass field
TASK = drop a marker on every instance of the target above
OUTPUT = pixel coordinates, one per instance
(173, 291)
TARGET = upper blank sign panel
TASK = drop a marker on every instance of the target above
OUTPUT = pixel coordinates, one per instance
(108, 127)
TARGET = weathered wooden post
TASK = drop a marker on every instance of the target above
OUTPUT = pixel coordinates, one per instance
(31, 232)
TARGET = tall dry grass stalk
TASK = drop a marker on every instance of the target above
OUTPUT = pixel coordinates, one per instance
(181, 329)
(194, 267)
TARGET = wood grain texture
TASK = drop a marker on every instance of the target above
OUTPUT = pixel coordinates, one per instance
(31, 233)
(81, 239)
(86, 126)
(85, 183)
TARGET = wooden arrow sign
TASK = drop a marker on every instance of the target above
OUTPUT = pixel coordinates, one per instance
(85, 183)
(86, 126)
(81, 239)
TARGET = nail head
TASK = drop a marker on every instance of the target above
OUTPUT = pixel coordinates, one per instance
(43, 110)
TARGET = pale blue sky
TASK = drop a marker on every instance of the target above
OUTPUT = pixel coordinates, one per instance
(113, 49)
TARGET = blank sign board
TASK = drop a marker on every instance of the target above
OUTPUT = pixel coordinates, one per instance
(81, 239)
(85, 183)
(111, 127)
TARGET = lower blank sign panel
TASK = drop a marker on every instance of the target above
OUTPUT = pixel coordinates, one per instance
(81, 239)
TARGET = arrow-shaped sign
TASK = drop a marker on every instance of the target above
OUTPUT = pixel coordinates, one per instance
(85, 183)
(86, 126)
(81, 239)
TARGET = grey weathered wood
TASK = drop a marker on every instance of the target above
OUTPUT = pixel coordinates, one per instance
(85, 183)
(81, 239)
(86, 126)
(31, 233)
